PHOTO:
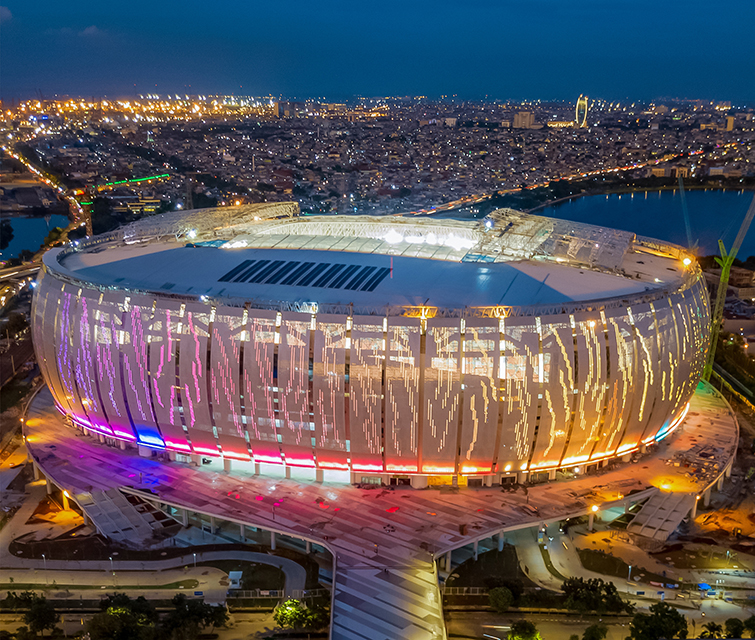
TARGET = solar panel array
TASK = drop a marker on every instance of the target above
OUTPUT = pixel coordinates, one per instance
(307, 274)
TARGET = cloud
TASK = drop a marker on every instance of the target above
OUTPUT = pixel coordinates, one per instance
(5, 14)
(92, 32)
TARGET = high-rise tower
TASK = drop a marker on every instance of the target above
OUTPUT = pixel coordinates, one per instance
(580, 113)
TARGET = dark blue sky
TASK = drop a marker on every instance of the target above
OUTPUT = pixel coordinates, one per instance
(641, 49)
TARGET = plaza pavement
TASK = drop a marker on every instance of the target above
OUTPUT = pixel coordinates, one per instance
(384, 542)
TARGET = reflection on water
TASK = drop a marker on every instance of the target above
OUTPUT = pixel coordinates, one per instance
(28, 233)
(713, 214)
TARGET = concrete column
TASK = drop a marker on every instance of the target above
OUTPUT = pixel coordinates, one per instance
(475, 546)
(227, 465)
(308, 548)
(500, 541)
(626, 506)
(87, 519)
(256, 468)
(521, 477)
(37, 472)
(728, 471)
(455, 481)
(213, 528)
(354, 478)
(419, 482)
(706, 498)
(144, 452)
(288, 472)
(48, 486)
(448, 561)
(720, 484)
(693, 510)
(319, 475)
(101, 438)
(488, 481)
(591, 522)
(122, 445)
(172, 455)
(552, 474)
(643, 448)
(272, 540)
(185, 517)
(196, 459)
(626, 458)
(242, 532)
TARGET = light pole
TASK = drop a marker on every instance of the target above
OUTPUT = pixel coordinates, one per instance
(195, 560)
(629, 575)
(44, 559)
(112, 568)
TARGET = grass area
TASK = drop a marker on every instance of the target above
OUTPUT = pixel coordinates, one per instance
(599, 562)
(255, 575)
(24, 586)
(549, 564)
(491, 569)
(13, 392)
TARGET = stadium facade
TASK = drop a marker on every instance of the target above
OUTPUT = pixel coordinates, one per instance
(382, 346)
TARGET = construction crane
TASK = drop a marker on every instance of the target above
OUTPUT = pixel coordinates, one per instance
(725, 262)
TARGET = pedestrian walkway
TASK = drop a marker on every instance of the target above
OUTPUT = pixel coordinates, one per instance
(662, 514)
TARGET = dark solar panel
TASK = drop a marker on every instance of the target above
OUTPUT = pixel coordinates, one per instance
(360, 278)
(284, 270)
(235, 271)
(298, 273)
(260, 264)
(376, 279)
(328, 275)
(338, 282)
(304, 274)
(306, 280)
(261, 275)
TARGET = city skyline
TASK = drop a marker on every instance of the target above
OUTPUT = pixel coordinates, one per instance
(542, 49)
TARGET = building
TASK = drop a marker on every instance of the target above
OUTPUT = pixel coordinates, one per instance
(524, 120)
(389, 348)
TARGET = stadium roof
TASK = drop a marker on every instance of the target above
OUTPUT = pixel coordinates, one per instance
(269, 253)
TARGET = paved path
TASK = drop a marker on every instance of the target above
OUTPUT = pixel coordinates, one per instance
(384, 541)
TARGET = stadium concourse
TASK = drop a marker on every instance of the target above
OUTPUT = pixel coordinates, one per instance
(387, 546)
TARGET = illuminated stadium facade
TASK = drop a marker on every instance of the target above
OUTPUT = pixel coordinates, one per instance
(381, 346)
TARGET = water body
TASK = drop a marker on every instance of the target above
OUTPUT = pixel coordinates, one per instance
(29, 233)
(713, 214)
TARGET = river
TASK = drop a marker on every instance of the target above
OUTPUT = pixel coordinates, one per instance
(29, 233)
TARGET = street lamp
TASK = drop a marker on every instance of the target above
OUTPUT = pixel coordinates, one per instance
(44, 558)
(111, 565)
(195, 560)
(629, 575)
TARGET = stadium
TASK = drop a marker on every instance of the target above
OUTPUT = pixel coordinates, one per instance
(394, 349)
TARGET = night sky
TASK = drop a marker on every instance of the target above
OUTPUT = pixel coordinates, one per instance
(528, 49)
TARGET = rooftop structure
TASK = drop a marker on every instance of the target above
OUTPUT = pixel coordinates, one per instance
(374, 345)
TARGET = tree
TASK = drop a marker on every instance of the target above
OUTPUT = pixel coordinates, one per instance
(663, 621)
(6, 234)
(123, 619)
(593, 595)
(749, 625)
(523, 630)
(500, 599)
(189, 617)
(734, 628)
(293, 614)
(41, 615)
(712, 630)
(595, 632)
